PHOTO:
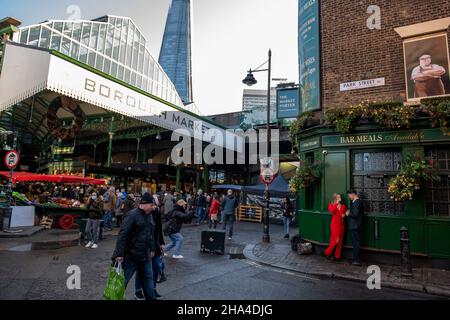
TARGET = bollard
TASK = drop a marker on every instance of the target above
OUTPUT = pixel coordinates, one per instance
(406, 268)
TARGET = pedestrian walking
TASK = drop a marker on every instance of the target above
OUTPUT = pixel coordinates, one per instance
(213, 212)
(338, 211)
(135, 245)
(355, 215)
(168, 202)
(172, 228)
(109, 205)
(128, 205)
(229, 206)
(119, 209)
(95, 211)
(157, 260)
(200, 207)
(190, 206)
(288, 214)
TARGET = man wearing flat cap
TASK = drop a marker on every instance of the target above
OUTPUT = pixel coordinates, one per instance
(427, 78)
(135, 245)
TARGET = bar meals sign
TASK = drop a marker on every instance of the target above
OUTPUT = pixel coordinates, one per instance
(399, 137)
(363, 84)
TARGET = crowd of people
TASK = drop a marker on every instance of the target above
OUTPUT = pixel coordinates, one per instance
(144, 223)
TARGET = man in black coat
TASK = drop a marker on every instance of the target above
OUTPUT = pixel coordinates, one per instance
(136, 245)
(355, 215)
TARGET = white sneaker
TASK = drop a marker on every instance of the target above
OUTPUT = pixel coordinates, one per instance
(94, 246)
(177, 257)
(90, 243)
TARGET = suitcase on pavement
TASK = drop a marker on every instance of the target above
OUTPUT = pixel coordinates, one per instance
(213, 242)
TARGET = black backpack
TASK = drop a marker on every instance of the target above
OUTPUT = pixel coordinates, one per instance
(294, 242)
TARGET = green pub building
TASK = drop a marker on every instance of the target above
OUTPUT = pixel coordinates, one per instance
(367, 113)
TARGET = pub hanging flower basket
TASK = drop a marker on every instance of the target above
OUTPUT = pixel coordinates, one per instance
(305, 175)
(411, 176)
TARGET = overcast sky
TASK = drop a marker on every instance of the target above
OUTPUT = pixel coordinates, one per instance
(229, 37)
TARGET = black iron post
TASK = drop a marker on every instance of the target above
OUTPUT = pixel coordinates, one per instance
(11, 172)
(405, 253)
(266, 236)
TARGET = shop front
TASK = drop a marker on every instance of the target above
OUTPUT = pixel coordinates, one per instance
(365, 161)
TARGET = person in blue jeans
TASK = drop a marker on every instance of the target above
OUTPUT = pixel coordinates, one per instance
(229, 205)
(288, 214)
(135, 245)
(157, 263)
(200, 207)
(173, 228)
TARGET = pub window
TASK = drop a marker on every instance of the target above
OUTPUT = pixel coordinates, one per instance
(371, 173)
(438, 192)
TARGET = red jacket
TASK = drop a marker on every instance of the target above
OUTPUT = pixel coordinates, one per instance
(214, 209)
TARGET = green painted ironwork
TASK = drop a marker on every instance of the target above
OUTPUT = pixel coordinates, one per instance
(206, 179)
(178, 178)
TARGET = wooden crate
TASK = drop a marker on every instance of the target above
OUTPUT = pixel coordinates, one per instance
(250, 213)
(47, 222)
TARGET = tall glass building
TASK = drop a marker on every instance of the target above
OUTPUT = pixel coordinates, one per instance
(111, 44)
(175, 54)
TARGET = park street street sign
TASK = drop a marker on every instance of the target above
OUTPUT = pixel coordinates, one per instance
(11, 159)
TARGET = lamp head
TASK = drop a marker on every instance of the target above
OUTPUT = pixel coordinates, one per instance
(250, 79)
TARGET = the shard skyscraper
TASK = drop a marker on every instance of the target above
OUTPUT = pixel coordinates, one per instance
(175, 54)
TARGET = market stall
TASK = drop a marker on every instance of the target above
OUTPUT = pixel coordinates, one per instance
(52, 209)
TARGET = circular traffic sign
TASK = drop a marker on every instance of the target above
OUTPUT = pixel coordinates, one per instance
(267, 175)
(11, 159)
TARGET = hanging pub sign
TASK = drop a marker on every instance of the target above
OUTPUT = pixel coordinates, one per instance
(309, 54)
(287, 103)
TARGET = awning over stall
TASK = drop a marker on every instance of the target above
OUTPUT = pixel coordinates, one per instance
(34, 177)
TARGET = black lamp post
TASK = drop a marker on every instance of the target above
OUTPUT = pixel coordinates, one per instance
(250, 81)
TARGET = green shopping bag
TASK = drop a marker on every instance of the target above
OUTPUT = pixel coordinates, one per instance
(115, 287)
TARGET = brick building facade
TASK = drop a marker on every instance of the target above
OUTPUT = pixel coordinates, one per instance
(367, 154)
(350, 51)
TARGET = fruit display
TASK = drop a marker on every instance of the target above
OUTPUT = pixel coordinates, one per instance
(21, 199)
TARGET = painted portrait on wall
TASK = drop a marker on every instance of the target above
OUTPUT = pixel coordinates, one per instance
(427, 66)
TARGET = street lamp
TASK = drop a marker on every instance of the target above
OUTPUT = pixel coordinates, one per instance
(250, 81)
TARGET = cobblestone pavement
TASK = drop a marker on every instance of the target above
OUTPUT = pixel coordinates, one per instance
(279, 254)
(27, 274)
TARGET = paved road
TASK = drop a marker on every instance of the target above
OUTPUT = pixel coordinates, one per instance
(36, 275)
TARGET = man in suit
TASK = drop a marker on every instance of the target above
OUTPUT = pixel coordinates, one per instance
(355, 215)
